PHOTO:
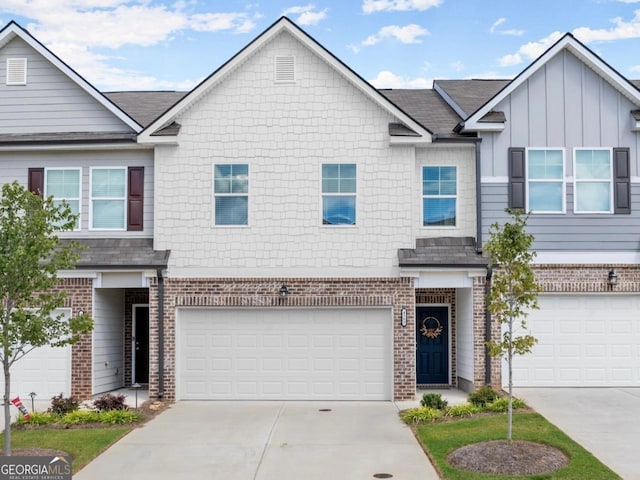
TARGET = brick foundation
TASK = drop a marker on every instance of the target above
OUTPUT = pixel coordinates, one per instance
(395, 293)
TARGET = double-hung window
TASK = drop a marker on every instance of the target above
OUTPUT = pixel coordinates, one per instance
(545, 180)
(593, 172)
(339, 194)
(63, 184)
(108, 198)
(231, 194)
(439, 195)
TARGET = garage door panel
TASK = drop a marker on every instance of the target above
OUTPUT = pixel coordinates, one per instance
(289, 354)
(583, 340)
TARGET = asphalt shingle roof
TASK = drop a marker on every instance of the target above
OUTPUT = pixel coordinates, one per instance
(442, 252)
(145, 107)
(426, 107)
(121, 252)
(470, 95)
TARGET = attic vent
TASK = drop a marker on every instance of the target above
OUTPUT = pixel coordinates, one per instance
(16, 71)
(285, 69)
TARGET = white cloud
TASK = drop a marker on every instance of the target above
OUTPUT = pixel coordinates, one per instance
(496, 24)
(372, 6)
(407, 34)
(387, 79)
(529, 50)
(307, 15)
(509, 60)
(457, 66)
(628, 1)
(501, 21)
(74, 29)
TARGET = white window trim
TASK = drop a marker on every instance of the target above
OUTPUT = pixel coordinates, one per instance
(340, 194)
(79, 198)
(214, 195)
(126, 191)
(576, 181)
(564, 181)
(423, 196)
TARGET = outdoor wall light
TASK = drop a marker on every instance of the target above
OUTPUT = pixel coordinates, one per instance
(403, 317)
(284, 291)
(613, 277)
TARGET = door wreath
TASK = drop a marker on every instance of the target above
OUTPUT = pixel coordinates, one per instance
(433, 329)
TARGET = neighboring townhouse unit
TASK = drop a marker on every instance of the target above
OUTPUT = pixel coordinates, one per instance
(561, 141)
(287, 231)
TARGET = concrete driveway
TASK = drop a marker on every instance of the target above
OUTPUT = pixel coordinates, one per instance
(267, 441)
(605, 421)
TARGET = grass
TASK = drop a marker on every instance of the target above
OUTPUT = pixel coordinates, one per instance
(439, 439)
(83, 444)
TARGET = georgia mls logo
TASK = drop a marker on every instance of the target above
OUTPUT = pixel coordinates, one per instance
(35, 468)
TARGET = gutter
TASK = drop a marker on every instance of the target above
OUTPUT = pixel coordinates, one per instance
(487, 328)
(160, 333)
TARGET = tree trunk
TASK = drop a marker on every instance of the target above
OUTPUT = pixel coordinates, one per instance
(510, 361)
(7, 406)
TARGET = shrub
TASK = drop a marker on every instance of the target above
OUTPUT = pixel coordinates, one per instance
(61, 405)
(79, 417)
(433, 400)
(502, 404)
(114, 417)
(111, 402)
(482, 396)
(421, 415)
(461, 410)
(38, 418)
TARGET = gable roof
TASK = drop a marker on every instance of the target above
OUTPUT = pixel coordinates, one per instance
(474, 121)
(144, 107)
(13, 30)
(466, 96)
(283, 24)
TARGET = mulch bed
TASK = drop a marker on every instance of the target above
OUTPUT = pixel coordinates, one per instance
(504, 458)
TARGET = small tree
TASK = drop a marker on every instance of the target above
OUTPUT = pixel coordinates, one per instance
(514, 291)
(30, 257)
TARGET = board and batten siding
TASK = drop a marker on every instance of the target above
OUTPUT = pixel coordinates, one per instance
(14, 165)
(108, 339)
(50, 101)
(565, 104)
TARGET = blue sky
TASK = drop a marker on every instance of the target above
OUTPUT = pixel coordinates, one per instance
(172, 45)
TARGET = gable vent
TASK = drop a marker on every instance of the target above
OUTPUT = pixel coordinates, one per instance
(16, 71)
(285, 69)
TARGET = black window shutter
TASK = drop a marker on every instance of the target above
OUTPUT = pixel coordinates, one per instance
(517, 178)
(36, 181)
(621, 182)
(135, 200)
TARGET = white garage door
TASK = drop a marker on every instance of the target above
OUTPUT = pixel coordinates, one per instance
(294, 354)
(583, 340)
(45, 371)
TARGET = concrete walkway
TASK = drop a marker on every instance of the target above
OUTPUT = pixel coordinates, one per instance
(267, 441)
(605, 421)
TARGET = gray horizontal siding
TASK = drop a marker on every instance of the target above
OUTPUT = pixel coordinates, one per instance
(15, 165)
(569, 232)
(50, 102)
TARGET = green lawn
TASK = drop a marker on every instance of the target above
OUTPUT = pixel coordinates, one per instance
(83, 444)
(439, 439)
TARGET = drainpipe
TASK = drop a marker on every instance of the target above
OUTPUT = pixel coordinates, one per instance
(478, 200)
(160, 334)
(487, 328)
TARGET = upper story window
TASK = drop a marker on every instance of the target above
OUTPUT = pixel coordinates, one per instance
(64, 185)
(439, 195)
(545, 180)
(231, 194)
(593, 173)
(108, 198)
(339, 194)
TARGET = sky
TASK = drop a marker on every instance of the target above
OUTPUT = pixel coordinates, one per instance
(172, 45)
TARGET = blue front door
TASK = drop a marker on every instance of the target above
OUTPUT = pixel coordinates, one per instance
(432, 345)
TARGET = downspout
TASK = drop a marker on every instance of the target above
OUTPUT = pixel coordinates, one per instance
(478, 200)
(160, 333)
(487, 328)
